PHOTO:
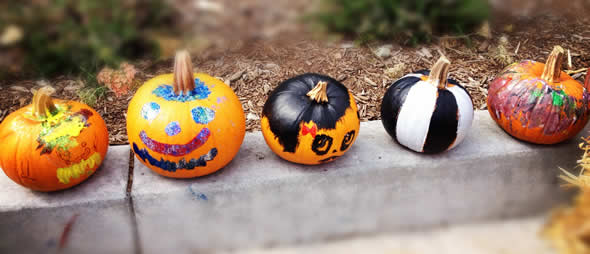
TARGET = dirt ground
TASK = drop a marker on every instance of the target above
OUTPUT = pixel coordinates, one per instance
(254, 62)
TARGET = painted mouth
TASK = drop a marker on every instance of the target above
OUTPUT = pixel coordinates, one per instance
(329, 159)
(74, 171)
(176, 149)
(173, 166)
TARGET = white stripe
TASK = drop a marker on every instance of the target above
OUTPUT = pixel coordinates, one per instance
(415, 75)
(465, 107)
(413, 120)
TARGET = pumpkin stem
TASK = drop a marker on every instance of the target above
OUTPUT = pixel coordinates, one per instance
(552, 69)
(184, 81)
(42, 103)
(318, 93)
(439, 72)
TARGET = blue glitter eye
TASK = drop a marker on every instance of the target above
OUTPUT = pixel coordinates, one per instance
(203, 115)
(150, 110)
(173, 128)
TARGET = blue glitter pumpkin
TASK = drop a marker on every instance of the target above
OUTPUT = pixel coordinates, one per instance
(185, 125)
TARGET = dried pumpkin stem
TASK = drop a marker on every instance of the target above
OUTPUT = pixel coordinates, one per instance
(183, 73)
(42, 102)
(318, 93)
(439, 72)
(552, 69)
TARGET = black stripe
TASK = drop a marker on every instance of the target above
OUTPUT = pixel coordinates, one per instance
(392, 102)
(443, 124)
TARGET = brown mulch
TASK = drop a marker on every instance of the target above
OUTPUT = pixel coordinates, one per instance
(255, 67)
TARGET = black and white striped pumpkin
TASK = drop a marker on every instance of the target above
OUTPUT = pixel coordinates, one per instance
(426, 112)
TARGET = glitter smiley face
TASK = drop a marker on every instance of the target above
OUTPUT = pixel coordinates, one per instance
(185, 130)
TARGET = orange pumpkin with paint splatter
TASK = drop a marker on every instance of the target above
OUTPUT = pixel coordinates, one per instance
(538, 102)
(185, 124)
(52, 144)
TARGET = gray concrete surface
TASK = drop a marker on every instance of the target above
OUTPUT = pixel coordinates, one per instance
(378, 187)
(102, 227)
(507, 237)
(107, 183)
(34, 222)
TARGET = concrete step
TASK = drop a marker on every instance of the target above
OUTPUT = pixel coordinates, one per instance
(96, 210)
(261, 201)
(506, 237)
(377, 187)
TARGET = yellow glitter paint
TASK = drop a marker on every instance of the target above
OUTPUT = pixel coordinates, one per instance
(67, 128)
(74, 171)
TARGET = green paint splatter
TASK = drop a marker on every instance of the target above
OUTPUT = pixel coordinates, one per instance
(557, 98)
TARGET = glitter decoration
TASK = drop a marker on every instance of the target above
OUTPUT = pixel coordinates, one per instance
(176, 149)
(150, 110)
(62, 130)
(203, 115)
(173, 166)
(200, 92)
(173, 128)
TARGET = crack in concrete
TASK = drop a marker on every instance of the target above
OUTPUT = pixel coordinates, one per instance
(129, 197)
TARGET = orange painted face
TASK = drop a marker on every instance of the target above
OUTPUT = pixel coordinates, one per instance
(536, 110)
(185, 135)
(54, 152)
(301, 129)
(317, 145)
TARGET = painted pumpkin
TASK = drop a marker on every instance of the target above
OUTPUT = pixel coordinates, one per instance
(310, 119)
(538, 102)
(52, 144)
(427, 112)
(183, 124)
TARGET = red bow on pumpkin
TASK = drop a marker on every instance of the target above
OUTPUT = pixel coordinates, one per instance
(313, 130)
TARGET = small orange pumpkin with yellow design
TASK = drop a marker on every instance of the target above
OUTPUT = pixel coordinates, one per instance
(52, 144)
(310, 119)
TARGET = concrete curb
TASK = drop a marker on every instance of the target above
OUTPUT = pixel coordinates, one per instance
(481, 238)
(97, 210)
(260, 200)
(378, 186)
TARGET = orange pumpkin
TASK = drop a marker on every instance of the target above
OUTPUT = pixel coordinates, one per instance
(538, 102)
(310, 119)
(52, 144)
(185, 125)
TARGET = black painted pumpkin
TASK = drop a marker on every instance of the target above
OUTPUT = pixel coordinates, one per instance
(426, 112)
(310, 119)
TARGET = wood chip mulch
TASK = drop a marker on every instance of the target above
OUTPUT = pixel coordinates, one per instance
(255, 68)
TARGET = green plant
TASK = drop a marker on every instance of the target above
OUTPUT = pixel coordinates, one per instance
(416, 20)
(68, 36)
(92, 90)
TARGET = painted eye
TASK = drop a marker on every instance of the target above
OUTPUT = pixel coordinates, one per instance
(321, 144)
(150, 110)
(348, 138)
(173, 128)
(202, 115)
